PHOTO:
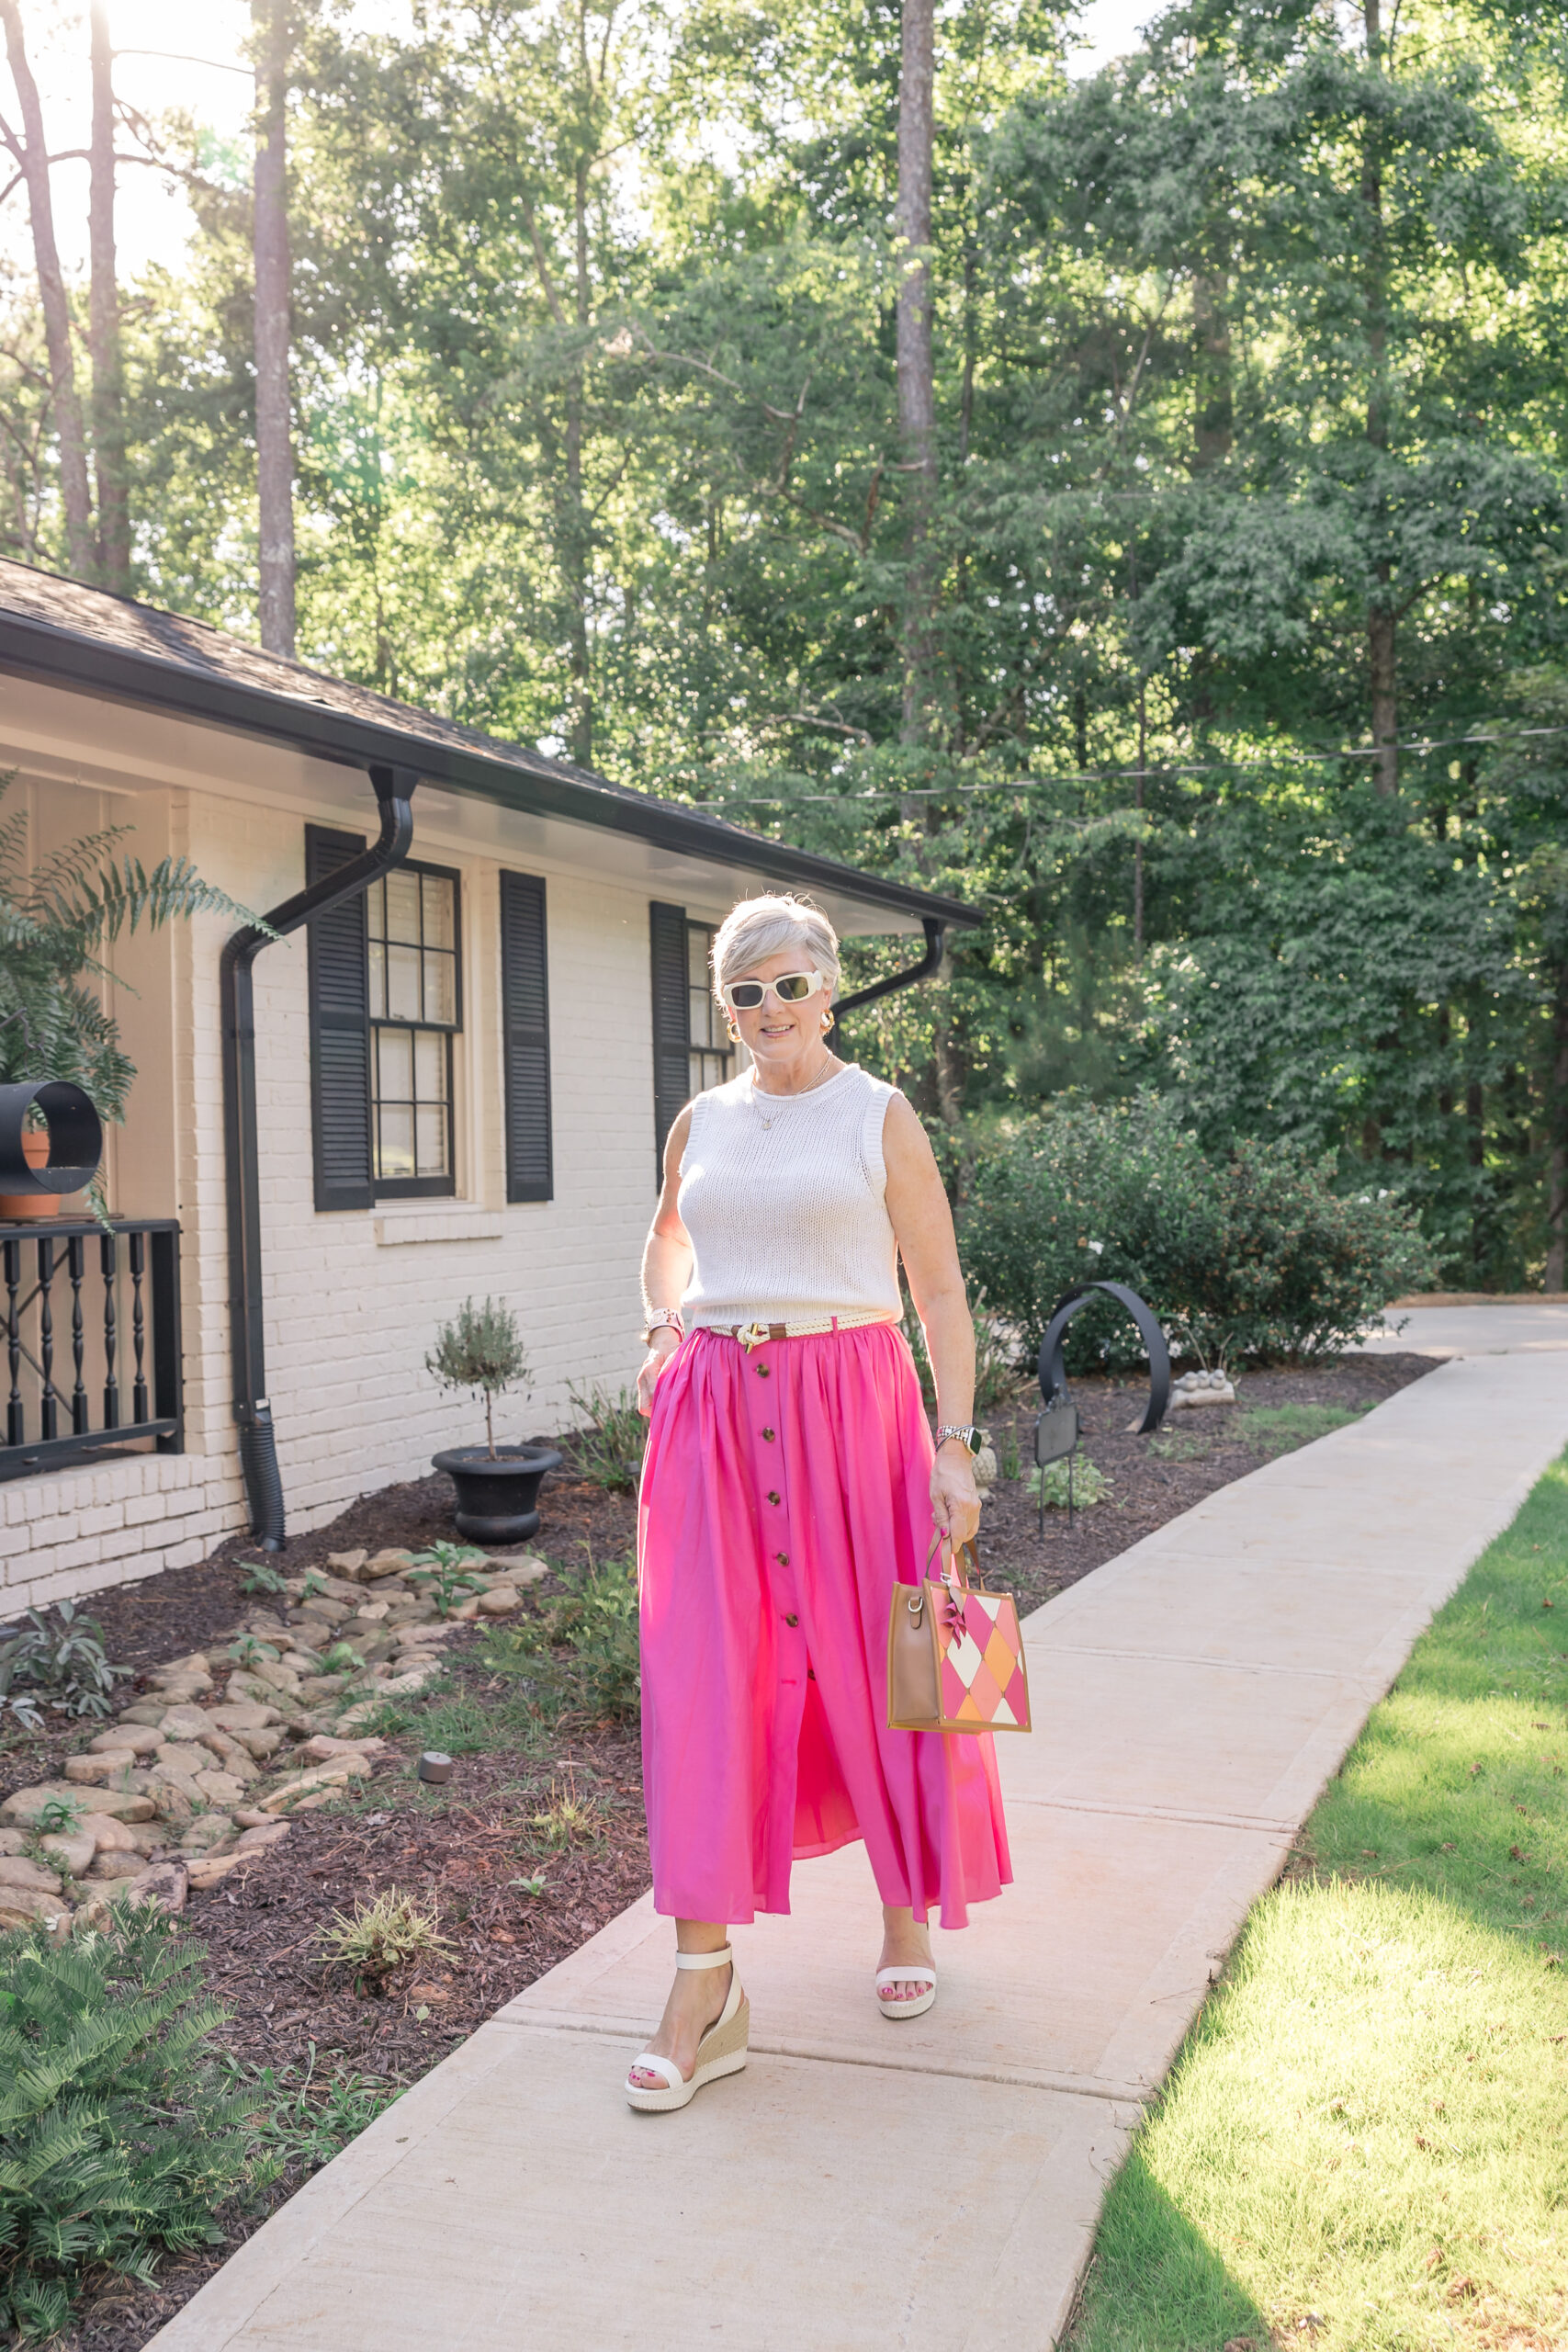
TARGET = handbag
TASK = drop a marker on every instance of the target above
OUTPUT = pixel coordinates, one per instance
(955, 1653)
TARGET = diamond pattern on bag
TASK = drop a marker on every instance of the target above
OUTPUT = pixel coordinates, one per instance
(981, 1669)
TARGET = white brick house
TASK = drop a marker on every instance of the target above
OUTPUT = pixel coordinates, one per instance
(435, 1116)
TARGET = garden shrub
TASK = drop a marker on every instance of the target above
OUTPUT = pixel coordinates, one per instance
(1255, 1253)
(117, 2140)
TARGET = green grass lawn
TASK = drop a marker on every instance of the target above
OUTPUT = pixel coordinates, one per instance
(1363, 2146)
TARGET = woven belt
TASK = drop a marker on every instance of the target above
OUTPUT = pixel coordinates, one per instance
(757, 1335)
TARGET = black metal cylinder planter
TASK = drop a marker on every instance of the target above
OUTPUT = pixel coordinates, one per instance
(498, 1500)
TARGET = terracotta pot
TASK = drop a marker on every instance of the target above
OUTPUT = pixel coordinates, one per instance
(16, 1206)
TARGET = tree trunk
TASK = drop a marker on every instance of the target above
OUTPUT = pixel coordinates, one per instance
(275, 452)
(917, 390)
(1214, 414)
(103, 325)
(1382, 651)
(75, 496)
(1557, 1130)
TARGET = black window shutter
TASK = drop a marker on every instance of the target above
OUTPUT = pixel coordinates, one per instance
(525, 1037)
(672, 1021)
(340, 1032)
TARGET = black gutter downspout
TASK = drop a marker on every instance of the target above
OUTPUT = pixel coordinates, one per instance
(929, 963)
(258, 1448)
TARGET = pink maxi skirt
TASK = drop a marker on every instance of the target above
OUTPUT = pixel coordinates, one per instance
(784, 1492)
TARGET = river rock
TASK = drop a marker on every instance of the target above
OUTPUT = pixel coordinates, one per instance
(73, 1856)
(500, 1600)
(144, 1711)
(204, 1870)
(15, 1869)
(264, 1834)
(111, 1868)
(405, 1685)
(392, 1562)
(221, 1788)
(207, 1831)
(27, 1804)
(21, 1906)
(164, 1884)
(321, 1781)
(140, 1738)
(321, 1747)
(242, 1714)
(100, 1770)
(348, 1562)
(192, 1670)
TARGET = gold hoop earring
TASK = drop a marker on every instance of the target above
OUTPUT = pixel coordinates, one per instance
(829, 1020)
(734, 1033)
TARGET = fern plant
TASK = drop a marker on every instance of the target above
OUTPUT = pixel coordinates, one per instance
(117, 2140)
(56, 918)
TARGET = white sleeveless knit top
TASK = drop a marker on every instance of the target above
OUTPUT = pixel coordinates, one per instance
(787, 1220)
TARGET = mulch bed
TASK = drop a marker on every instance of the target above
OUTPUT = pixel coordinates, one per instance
(465, 1846)
(1150, 1480)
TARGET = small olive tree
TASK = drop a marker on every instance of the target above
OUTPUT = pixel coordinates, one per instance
(480, 1349)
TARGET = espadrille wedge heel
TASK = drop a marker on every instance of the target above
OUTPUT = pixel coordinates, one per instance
(722, 2049)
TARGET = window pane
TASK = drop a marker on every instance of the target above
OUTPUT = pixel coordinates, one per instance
(439, 923)
(403, 907)
(394, 1065)
(395, 1127)
(698, 942)
(441, 987)
(429, 1066)
(402, 983)
(432, 1129)
(375, 911)
(378, 981)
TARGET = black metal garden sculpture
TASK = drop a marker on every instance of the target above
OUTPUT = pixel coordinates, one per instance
(1056, 1425)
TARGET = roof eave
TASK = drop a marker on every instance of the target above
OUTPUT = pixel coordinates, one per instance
(66, 658)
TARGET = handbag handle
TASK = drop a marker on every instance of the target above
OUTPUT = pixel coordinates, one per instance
(962, 1555)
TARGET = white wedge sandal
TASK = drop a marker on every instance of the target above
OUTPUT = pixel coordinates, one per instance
(907, 1974)
(721, 2051)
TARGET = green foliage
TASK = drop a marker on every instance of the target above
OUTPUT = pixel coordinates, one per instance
(1247, 358)
(298, 2118)
(60, 1817)
(54, 920)
(60, 1664)
(118, 2141)
(381, 1933)
(246, 1649)
(260, 1577)
(1279, 1428)
(1254, 1254)
(481, 1349)
(441, 1575)
(579, 1651)
(997, 1370)
(1391, 2029)
(608, 1451)
(1089, 1484)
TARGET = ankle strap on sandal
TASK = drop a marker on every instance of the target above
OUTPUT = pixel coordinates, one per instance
(704, 1959)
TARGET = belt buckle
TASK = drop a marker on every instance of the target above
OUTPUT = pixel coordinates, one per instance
(752, 1335)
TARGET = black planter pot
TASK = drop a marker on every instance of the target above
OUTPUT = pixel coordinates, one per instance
(498, 1502)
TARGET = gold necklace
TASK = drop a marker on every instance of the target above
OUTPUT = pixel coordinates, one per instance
(758, 1096)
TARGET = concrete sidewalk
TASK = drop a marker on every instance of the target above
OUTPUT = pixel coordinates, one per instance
(932, 2185)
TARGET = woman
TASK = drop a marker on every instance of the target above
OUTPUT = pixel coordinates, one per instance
(790, 1478)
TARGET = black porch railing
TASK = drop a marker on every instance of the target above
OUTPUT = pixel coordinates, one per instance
(91, 1332)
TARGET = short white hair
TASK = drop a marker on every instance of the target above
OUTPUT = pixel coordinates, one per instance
(755, 929)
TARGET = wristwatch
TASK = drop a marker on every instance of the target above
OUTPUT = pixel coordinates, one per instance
(969, 1436)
